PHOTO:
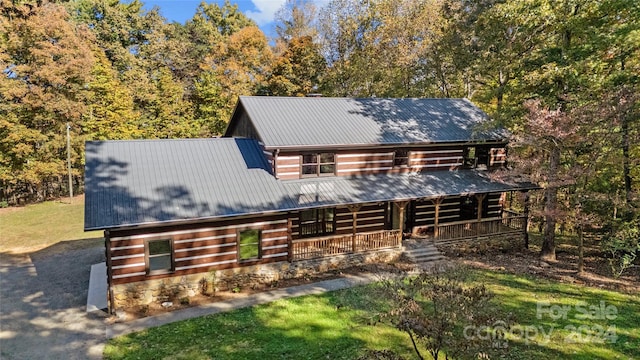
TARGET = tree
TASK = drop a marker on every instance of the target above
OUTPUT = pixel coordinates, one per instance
(542, 153)
(47, 66)
(240, 65)
(298, 70)
(210, 104)
(111, 113)
(435, 309)
(294, 20)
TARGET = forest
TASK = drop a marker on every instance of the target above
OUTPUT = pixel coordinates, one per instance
(562, 75)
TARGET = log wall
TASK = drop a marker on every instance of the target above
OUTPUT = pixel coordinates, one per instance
(371, 217)
(196, 249)
(362, 162)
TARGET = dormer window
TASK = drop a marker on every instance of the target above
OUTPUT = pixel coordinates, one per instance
(401, 158)
(320, 164)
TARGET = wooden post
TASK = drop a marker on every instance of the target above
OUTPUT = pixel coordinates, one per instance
(526, 219)
(401, 205)
(480, 198)
(354, 213)
(111, 304)
(289, 240)
(436, 220)
(69, 161)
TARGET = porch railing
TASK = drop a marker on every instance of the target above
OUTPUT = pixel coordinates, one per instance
(461, 230)
(305, 249)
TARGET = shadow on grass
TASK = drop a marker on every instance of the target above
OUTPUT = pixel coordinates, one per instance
(338, 325)
(564, 320)
(310, 327)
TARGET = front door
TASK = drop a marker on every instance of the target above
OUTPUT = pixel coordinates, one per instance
(408, 215)
(468, 207)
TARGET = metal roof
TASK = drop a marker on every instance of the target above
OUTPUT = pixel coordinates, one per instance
(320, 121)
(151, 181)
(147, 182)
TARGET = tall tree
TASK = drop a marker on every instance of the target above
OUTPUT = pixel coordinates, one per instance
(47, 65)
(294, 20)
(298, 70)
(111, 113)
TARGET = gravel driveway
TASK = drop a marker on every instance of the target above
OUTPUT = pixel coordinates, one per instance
(43, 303)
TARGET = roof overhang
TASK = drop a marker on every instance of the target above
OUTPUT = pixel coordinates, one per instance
(342, 191)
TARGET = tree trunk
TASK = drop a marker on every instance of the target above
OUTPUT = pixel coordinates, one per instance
(551, 202)
(626, 168)
(580, 250)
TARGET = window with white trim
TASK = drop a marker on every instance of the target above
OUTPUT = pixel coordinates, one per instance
(159, 256)
(249, 244)
(320, 164)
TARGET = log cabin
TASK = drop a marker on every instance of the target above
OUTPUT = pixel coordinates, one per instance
(295, 185)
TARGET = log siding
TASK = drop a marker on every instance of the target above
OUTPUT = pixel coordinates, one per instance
(196, 249)
(287, 166)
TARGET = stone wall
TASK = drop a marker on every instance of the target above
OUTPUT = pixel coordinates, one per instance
(181, 287)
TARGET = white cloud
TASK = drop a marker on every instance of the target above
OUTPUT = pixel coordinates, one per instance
(266, 10)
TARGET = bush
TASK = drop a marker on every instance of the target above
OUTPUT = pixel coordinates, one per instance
(434, 309)
(622, 246)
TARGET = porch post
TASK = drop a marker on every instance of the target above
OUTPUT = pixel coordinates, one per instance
(526, 219)
(401, 205)
(289, 240)
(480, 198)
(354, 213)
(436, 220)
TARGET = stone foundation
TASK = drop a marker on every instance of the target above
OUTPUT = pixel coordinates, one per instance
(180, 287)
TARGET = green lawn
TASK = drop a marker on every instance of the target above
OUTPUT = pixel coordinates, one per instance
(37, 226)
(337, 326)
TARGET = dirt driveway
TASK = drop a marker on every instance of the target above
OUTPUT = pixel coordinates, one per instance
(42, 303)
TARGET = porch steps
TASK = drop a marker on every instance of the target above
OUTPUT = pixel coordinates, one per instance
(424, 255)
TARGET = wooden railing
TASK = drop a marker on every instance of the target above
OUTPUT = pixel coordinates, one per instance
(468, 229)
(343, 244)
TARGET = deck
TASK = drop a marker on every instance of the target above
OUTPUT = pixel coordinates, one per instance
(510, 223)
(313, 248)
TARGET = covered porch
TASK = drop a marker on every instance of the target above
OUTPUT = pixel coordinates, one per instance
(509, 224)
(312, 248)
(369, 213)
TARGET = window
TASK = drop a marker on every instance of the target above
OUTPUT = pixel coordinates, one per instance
(321, 164)
(476, 157)
(482, 153)
(470, 157)
(159, 255)
(401, 158)
(317, 222)
(249, 244)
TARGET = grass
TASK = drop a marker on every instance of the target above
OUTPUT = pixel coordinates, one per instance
(33, 227)
(337, 325)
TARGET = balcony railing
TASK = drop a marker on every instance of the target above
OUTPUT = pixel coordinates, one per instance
(305, 249)
(510, 223)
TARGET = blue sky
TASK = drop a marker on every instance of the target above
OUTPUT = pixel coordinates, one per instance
(261, 11)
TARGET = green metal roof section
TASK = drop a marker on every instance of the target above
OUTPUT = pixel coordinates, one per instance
(154, 182)
(321, 121)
